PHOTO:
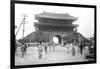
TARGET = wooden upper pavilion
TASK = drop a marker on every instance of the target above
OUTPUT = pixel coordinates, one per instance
(55, 22)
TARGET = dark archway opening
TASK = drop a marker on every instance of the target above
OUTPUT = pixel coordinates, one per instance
(57, 39)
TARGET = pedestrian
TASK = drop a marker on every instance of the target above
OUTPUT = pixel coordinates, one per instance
(67, 47)
(54, 46)
(23, 49)
(45, 48)
(73, 51)
(79, 44)
(81, 47)
(40, 51)
(49, 45)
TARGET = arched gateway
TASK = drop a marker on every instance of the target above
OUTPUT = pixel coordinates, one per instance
(58, 38)
(55, 25)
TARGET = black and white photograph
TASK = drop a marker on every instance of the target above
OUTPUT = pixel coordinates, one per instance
(51, 34)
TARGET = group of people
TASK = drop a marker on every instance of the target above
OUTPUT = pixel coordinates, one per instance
(44, 47)
(81, 46)
(41, 47)
(71, 48)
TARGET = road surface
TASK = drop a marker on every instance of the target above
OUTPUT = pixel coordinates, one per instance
(60, 55)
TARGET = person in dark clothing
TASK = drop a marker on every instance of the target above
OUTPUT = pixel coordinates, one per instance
(81, 47)
(54, 46)
(23, 49)
(81, 50)
(73, 51)
(45, 48)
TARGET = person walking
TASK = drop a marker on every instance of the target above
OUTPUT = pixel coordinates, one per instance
(40, 51)
(45, 48)
(23, 49)
(73, 51)
(54, 46)
(81, 47)
(67, 47)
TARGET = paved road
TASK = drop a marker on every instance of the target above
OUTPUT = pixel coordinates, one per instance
(60, 55)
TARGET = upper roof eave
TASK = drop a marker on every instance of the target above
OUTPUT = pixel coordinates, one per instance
(55, 16)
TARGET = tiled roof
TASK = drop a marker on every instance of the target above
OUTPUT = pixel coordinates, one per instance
(36, 36)
(60, 25)
(56, 16)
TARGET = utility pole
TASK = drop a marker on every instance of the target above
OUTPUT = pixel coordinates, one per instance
(24, 26)
(22, 23)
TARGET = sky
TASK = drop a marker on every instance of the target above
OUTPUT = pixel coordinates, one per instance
(85, 17)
